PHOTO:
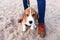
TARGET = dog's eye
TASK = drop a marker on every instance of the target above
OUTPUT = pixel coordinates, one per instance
(33, 15)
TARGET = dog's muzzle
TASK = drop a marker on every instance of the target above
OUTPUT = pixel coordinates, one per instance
(30, 22)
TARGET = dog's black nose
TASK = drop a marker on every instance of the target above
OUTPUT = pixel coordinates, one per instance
(30, 22)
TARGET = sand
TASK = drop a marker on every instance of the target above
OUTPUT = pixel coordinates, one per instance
(11, 11)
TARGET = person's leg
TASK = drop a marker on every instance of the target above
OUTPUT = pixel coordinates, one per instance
(41, 12)
(25, 4)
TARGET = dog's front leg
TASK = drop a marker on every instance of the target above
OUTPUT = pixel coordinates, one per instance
(32, 27)
(35, 26)
(24, 28)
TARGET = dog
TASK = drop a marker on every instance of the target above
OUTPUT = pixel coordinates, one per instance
(29, 18)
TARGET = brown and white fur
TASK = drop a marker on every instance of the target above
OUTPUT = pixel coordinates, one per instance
(29, 18)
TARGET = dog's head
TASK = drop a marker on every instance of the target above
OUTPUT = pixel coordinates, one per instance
(30, 16)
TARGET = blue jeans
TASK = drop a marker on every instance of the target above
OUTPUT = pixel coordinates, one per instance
(41, 9)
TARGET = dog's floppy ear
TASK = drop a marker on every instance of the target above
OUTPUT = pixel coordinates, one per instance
(37, 16)
(21, 18)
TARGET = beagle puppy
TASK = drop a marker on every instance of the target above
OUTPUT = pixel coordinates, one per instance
(29, 18)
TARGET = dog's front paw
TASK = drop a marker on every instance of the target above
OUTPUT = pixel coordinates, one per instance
(24, 30)
(32, 27)
(35, 26)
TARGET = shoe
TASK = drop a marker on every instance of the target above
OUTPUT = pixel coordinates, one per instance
(41, 30)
